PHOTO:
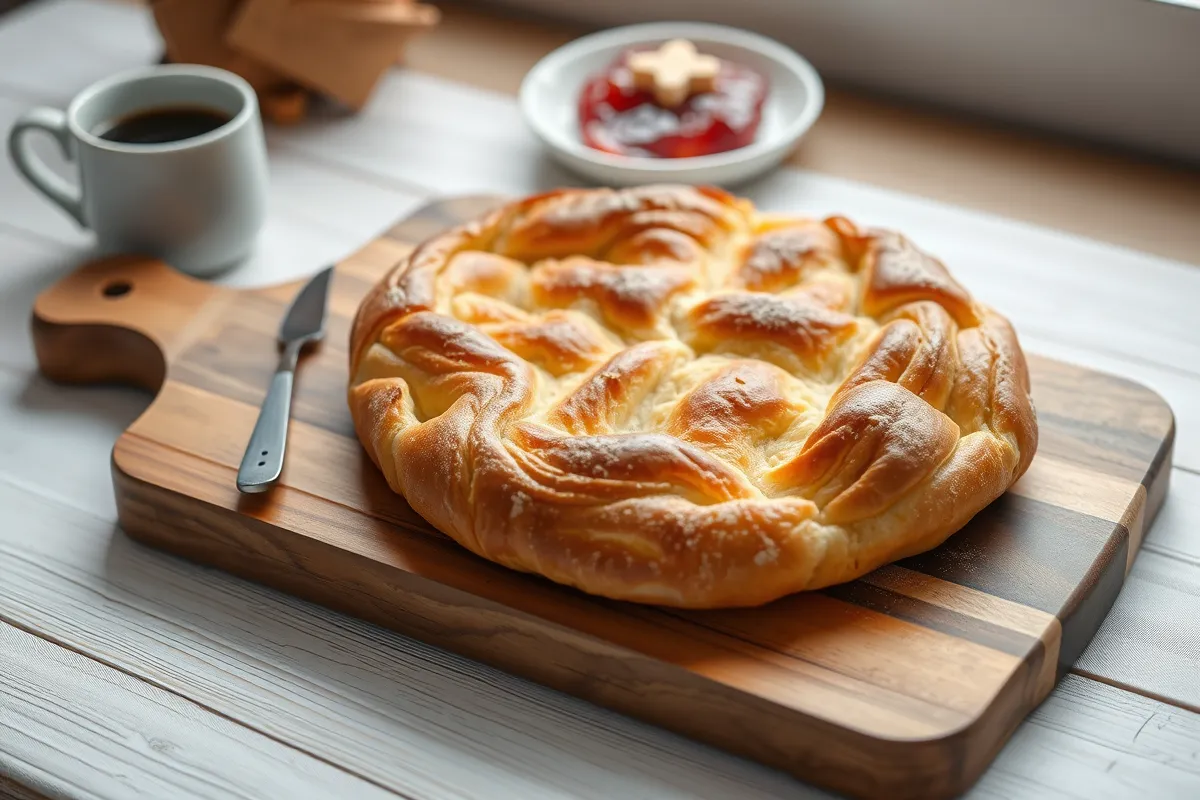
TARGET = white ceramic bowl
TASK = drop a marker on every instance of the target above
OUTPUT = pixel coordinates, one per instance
(550, 103)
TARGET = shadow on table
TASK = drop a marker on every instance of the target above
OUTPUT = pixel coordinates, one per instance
(107, 408)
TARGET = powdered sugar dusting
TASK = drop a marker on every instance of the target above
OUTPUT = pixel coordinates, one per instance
(520, 501)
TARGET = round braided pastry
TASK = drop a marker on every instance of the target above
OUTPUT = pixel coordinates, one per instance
(662, 395)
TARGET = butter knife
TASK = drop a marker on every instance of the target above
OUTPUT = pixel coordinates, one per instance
(303, 324)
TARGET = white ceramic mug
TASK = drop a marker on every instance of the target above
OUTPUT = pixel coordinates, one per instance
(196, 203)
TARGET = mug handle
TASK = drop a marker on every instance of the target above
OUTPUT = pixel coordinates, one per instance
(53, 122)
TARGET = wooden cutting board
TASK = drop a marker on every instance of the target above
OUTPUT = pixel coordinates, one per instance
(903, 684)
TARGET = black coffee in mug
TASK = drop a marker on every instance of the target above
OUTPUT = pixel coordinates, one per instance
(162, 125)
(192, 186)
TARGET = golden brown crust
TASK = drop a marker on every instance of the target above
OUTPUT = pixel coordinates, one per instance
(661, 395)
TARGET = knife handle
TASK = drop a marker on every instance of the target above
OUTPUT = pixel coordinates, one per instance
(263, 460)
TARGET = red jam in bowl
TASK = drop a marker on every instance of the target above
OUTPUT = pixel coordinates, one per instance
(617, 117)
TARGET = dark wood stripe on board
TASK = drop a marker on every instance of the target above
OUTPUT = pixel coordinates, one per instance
(1039, 555)
(1099, 420)
(938, 618)
(1158, 478)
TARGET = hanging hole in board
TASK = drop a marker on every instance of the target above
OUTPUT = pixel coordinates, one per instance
(262, 463)
(117, 289)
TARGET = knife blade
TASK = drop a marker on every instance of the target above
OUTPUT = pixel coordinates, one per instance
(303, 324)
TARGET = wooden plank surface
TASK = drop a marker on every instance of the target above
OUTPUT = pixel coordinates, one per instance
(952, 647)
(1081, 748)
(64, 714)
(1149, 640)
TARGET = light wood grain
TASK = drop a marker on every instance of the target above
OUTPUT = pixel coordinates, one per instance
(1180, 388)
(1151, 639)
(36, 264)
(1177, 532)
(54, 49)
(64, 715)
(1100, 744)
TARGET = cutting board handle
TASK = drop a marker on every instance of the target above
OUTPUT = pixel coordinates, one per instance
(118, 320)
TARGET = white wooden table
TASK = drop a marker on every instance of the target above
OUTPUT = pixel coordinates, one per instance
(128, 673)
